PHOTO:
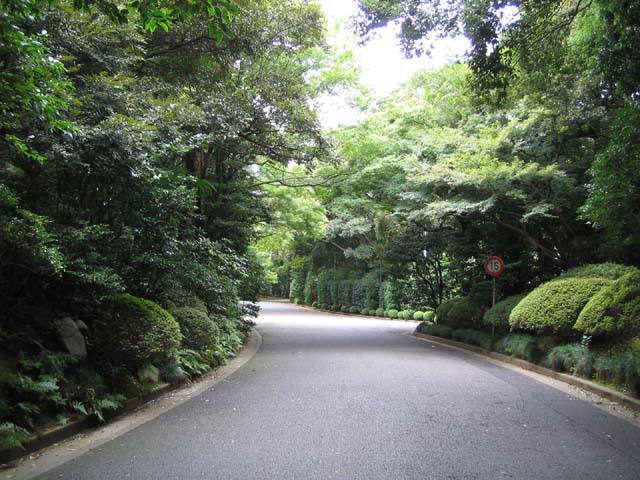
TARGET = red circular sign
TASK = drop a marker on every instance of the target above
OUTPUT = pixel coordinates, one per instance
(494, 266)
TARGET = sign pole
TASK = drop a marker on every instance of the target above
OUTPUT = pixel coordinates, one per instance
(493, 266)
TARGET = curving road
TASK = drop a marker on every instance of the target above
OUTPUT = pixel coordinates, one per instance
(338, 397)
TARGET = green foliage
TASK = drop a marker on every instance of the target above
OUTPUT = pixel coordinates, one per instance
(298, 277)
(611, 271)
(458, 312)
(555, 306)
(199, 332)
(133, 331)
(614, 311)
(498, 316)
(345, 293)
(393, 313)
(473, 337)
(574, 358)
(380, 312)
(418, 315)
(12, 436)
(353, 309)
(622, 370)
(520, 346)
(310, 292)
(435, 329)
(429, 316)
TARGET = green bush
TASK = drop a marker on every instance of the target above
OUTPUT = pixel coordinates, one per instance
(473, 337)
(554, 307)
(310, 288)
(335, 307)
(611, 271)
(408, 314)
(296, 287)
(418, 315)
(622, 370)
(364, 311)
(353, 309)
(344, 309)
(520, 346)
(133, 331)
(574, 358)
(435, 329)
(458, 312)
(614, 311)
(380, 312)
(401, 314)
(345, 292)
(429, 316)
(393, 313)
(498, 316)
(314, 304)
(358, 294)
(372, 291)
(199, 332)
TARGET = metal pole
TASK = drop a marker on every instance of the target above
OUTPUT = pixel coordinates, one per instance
(493, 304)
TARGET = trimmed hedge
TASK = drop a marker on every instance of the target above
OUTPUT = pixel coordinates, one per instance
(612, 271)
(393, 313)
(554, 307)
(498, 315)
(380, 312)
(418, 315)
(473, 337)
(614, 311)
(353, 309)
(134, 331)
(429, 316)
(199, 332)
(458, 312)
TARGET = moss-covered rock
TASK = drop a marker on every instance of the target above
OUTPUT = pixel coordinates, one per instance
(614, 311)
(554, 307)
(133, 331)
(199, 332)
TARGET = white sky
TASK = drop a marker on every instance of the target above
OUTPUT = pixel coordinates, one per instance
(384, 66)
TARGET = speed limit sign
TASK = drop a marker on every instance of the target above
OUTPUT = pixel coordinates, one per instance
(494, 266)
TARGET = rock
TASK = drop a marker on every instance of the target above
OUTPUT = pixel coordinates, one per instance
(149, 374)
(71, 337)
(82, 326)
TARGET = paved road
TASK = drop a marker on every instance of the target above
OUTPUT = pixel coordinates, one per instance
(336, 397)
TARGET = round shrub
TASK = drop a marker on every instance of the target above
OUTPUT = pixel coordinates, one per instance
(133, 331)
(353, 309)
(380, 312)
(364, 311)
(459, 312)
(614, 311)
(612, 271)
(401, 314)
(199, 332)
(344, 309)
(335, 307)
(429, 316)
(498, 315)
(393, 313)
(554, 307)
(386, 313)
(418, 315)
(408, 314)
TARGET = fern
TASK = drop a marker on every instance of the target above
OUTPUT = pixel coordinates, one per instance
(12, 436)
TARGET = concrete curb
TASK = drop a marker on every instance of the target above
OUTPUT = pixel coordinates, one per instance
(83, 424)
(601, 391)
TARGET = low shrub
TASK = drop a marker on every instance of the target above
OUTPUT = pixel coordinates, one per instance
(429, 316)
(614, 311)
(574, 358)
(344, 309)
(199, 332)
(408, 314)
(520, 346)
(459, 312)
(353, 309)
(435, 329)
(418, 315)
(612, 271)
(497, 317)
(401, 314)
(133, 331)
(335, 307)
(380, 312)
(393, 313)
(622, 370)
(554, 307)
(386, 313)
(473, 337)
(314, 304)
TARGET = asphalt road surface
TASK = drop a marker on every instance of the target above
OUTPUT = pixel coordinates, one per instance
(338, 397)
